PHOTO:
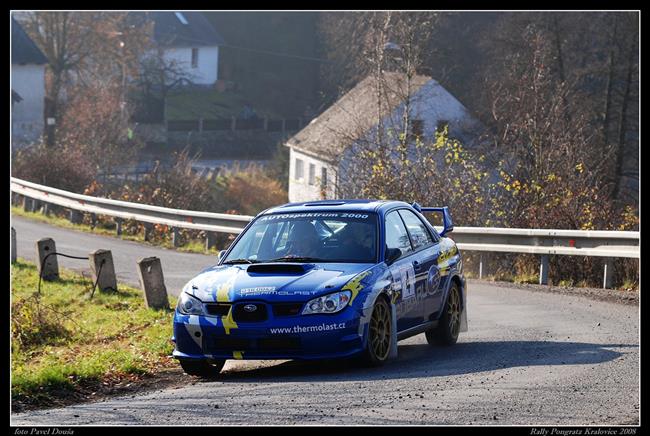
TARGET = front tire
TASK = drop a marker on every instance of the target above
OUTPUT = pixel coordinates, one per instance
(446, 333)
(202, 368)
(379, 334)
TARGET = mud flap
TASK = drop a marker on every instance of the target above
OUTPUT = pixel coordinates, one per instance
(463, 314)
(393, 332)
(463, 321)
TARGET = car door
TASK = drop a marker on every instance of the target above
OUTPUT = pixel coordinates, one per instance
(425, 263)
(409, 312)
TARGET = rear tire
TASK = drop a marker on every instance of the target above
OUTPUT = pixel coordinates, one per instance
(379, 335)
(202, 368)
(446, 333)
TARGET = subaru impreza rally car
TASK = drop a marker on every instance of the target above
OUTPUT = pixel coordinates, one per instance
(324, 279)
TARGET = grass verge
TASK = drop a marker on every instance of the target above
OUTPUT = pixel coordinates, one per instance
(193, 246)
(66, 346)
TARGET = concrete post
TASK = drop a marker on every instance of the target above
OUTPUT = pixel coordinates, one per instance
(543, 270)
(152, 283)
(14, 255)
(76, 217)
(210, 240)
(101, 262)
(118, 226)
(176, 237)
(608, 273)
(50, 269)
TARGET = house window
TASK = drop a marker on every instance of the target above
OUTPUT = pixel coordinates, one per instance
(195, 58)
(323, 178)
(300, 170)
(312, 174)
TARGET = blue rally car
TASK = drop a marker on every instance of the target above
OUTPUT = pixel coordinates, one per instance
(323, 280)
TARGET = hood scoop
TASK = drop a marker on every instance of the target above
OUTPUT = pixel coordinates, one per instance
(279, 268)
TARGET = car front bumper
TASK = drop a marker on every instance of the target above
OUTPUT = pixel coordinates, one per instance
(294, 337)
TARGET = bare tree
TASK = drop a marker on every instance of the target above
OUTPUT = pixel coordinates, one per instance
(83, 48)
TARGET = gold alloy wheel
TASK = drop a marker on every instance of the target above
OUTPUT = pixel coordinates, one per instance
(453, 312)
(380, 332)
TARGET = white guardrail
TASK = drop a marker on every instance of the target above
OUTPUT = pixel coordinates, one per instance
(544, 242)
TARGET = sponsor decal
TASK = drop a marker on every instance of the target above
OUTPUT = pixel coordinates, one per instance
(404, 280)
(308, 329)
(355, 285)
(295, 292)
(260, 290)
(433, 280)
(313, 215)
(445, 255)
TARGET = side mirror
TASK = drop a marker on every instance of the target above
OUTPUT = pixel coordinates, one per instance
(392, 254)
(221, 254)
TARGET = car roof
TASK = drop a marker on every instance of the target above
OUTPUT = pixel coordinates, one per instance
(336, 205)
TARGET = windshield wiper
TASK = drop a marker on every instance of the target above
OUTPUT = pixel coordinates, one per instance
(296, 259)
(234, 261)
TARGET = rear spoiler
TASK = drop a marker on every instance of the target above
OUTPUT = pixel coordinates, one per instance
(448, 225)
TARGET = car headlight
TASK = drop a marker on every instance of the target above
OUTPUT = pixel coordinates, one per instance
(189, 305)
(330, 303)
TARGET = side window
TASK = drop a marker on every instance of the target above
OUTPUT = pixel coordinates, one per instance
(299, 169)
(420, 236)
(396, 235)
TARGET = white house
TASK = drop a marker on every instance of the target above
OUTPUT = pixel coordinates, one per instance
(318, 152)
(27, 87)
(188, 40)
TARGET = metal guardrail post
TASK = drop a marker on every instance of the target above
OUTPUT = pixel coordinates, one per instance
(153, 283)
(47, 209)
(210, 240)
(176, 237)
(14, 254)
(27, 204)
(118, 226)
(75, 217)
(480, 266)
(101, 262)
(49, 269)
(543, 270)
(148, 228)
(608, 273)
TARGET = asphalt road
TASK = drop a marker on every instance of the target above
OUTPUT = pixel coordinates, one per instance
(529, 358)
(178, 267)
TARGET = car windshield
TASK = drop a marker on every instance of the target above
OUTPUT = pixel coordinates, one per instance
(309, 237)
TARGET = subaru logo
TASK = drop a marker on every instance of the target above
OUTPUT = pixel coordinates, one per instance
(250, 308)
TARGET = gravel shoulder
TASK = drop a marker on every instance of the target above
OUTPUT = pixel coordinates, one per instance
(599, 294)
